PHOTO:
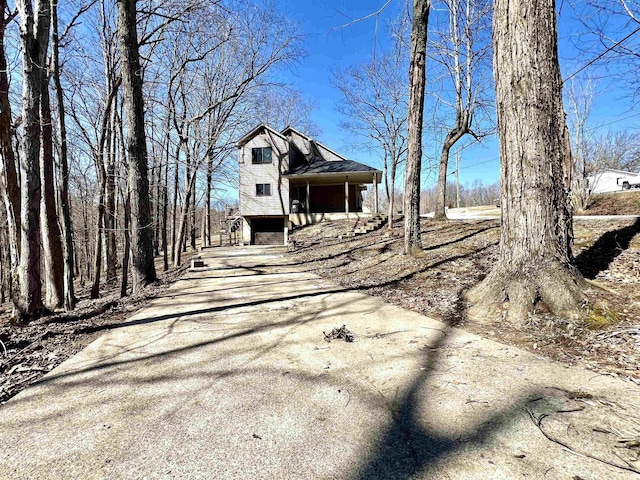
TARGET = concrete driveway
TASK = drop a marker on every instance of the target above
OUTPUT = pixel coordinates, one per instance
(228, 375)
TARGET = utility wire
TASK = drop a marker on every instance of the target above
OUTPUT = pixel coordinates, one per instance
(591, 62)
(475, 165)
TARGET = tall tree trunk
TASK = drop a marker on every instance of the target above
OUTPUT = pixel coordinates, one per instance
(165, 208)
(184, 218)
(11, 191)
(158, 210)
(51, 235)
(127, 245)
(97, 256)
(67, 228)
(176, 180)
(111, 245)
(206, 236)
(105, 132)
(536, 261)
(85, 230)
(193, 213)
(34, 35)
(417, 78)
(4, 262)
(165, 197)
(187, 203)
(143, 268)
(391, 194)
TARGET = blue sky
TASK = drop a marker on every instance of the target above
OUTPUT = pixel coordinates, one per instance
(328, 47)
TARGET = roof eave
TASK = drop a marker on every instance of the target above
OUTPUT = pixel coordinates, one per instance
(240, 143)
(340, 174)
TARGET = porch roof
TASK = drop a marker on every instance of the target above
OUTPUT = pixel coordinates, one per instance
(323, 167)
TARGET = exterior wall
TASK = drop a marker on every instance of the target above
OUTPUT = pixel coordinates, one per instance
(607, 181)
(301, 143)
(327, 154)
(305, 146)
(250, 175)
(299, 219)
(246, 232)
(330, 198)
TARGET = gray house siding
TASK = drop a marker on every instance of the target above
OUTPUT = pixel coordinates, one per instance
(277, 203)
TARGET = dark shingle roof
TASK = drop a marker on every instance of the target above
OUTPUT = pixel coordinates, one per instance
(319, 165)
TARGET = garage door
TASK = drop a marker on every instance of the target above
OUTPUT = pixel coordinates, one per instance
(267, 231)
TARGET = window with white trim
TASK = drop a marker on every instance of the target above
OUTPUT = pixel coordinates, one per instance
(263, 189)
(261, 155)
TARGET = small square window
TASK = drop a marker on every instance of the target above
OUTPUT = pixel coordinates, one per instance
(263, 189)
(261, 155)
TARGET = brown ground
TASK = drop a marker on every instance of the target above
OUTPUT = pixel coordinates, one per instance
(459, 254)
(620, 203)
(27, 353)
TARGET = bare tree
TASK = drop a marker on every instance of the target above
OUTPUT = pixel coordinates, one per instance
(282, 106)
(141, 221)
(417, 78)
(34, 35)
(67, 228)
(610, 37)
(374, 101)
(9, 183)
(463, 49)
(579, 100)
(536, 261)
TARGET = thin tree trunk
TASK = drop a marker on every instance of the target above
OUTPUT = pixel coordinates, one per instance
(183, 221)
(176, 179)
(187, 202)
(97, 256)
(391, 193)
(193, 212)
(11, 191)
(157, 211)
(165, 197)
(67, 228)
(143, 268)
(102, 192)
(165, 208)
(127, 246)
(454, 135)
(111, 245)
(4, 248)
(536, 261)
(417, 78)
(206, 237)
(85, 230)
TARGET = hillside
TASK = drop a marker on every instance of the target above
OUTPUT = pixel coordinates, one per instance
(618, 203)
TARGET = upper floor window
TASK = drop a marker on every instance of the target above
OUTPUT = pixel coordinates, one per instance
(261, 155)
(263, 189)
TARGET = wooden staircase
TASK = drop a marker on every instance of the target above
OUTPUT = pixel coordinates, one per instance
(229, 231)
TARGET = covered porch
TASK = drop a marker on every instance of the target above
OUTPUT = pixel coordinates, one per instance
(315, 197)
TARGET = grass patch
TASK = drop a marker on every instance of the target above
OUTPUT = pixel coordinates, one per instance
(601, 315)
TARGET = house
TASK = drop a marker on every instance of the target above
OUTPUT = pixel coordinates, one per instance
(287, 179)
(610, 180)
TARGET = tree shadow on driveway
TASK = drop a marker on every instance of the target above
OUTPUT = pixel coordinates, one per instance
(408, 447)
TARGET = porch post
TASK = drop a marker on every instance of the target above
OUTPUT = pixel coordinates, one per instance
(346, 195)
(308, 202)
(375, 193)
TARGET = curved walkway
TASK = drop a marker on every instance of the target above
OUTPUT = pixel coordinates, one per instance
(228, 375)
